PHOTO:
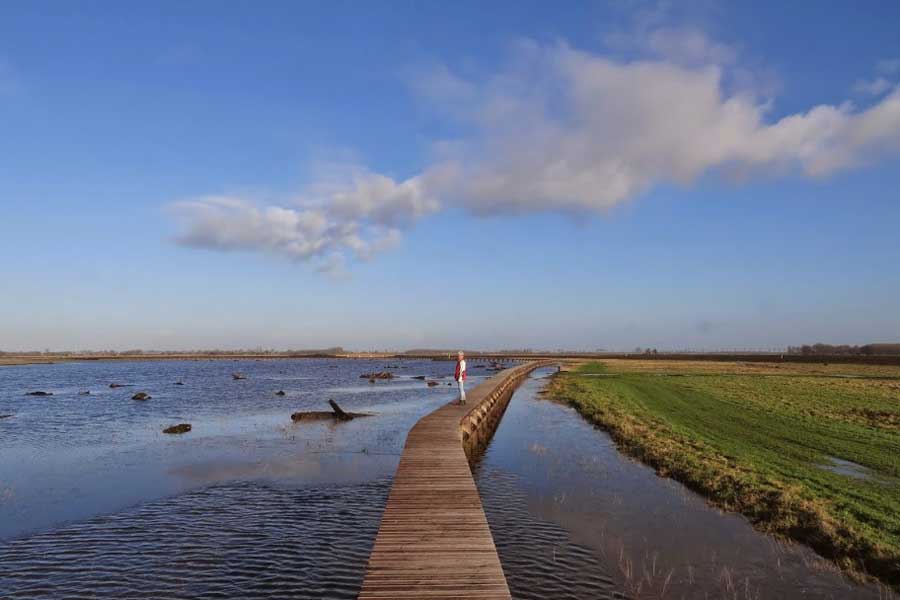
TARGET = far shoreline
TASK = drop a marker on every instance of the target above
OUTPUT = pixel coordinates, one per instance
(33, 358)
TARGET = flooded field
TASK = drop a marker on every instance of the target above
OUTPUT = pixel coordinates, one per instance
(574, 518)
(96, 502)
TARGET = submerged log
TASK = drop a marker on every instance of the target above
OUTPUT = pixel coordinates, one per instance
(5, 416)
(180, 428)
(39, 393)
(312, 415)
(337, 413)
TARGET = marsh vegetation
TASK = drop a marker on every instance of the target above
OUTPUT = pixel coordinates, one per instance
(809, 452)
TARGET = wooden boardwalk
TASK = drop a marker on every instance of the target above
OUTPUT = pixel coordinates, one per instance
(434, 540)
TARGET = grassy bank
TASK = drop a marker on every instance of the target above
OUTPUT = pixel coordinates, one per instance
(811, 454)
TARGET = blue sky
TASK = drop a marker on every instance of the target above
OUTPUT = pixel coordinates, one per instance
(394, 175)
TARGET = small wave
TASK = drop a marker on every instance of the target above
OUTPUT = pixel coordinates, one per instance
(236, 541)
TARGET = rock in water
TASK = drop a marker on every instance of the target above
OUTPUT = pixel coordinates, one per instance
(141, 396)
(117, 385)
(5, 416)
(39, 393)
(432, 383)
(180, 428)
(420, 377)
(378, 375)
(279, 393)
(85, 393)
(179, 383)
(237, 376)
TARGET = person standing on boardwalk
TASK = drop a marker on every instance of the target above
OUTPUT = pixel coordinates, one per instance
(460, 375)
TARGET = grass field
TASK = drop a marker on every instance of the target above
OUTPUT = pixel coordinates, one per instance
(811, 452)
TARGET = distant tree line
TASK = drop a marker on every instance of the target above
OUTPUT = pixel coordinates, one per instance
(845, 349)
(646, 351)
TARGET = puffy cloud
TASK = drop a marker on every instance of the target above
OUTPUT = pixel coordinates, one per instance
(376, 198)
(561, 129)
(687, 46)
(872, 87)
(567, 129)
(330, 221)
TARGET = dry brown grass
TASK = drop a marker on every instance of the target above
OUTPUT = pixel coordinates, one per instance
(696, 367)
(10, 361)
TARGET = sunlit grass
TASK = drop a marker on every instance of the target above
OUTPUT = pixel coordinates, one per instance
(760, 440)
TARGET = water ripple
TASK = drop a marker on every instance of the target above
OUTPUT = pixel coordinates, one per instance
(538, 557)
(235, 541)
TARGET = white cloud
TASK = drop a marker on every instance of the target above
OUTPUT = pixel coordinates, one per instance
(872, 87)
(681, 45)
(567, 129)
(561, 129)
(360, 217)
(888, 66)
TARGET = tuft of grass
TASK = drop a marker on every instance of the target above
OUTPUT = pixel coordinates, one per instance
(760, 442)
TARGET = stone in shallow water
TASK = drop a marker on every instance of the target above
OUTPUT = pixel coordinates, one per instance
(378, 375)
(141, 396)
(39, 393)
(180, 428)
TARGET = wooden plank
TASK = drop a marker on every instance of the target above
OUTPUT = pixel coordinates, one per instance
(434, 540)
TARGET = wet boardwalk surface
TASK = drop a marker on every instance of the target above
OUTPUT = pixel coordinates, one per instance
(434, 540)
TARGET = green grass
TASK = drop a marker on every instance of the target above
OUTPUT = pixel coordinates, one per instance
(757, 444)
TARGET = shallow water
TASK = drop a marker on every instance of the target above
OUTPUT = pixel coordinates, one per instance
(237, 540)
(573, 518)
(847, 468)
(96, 502)
(69, 457)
